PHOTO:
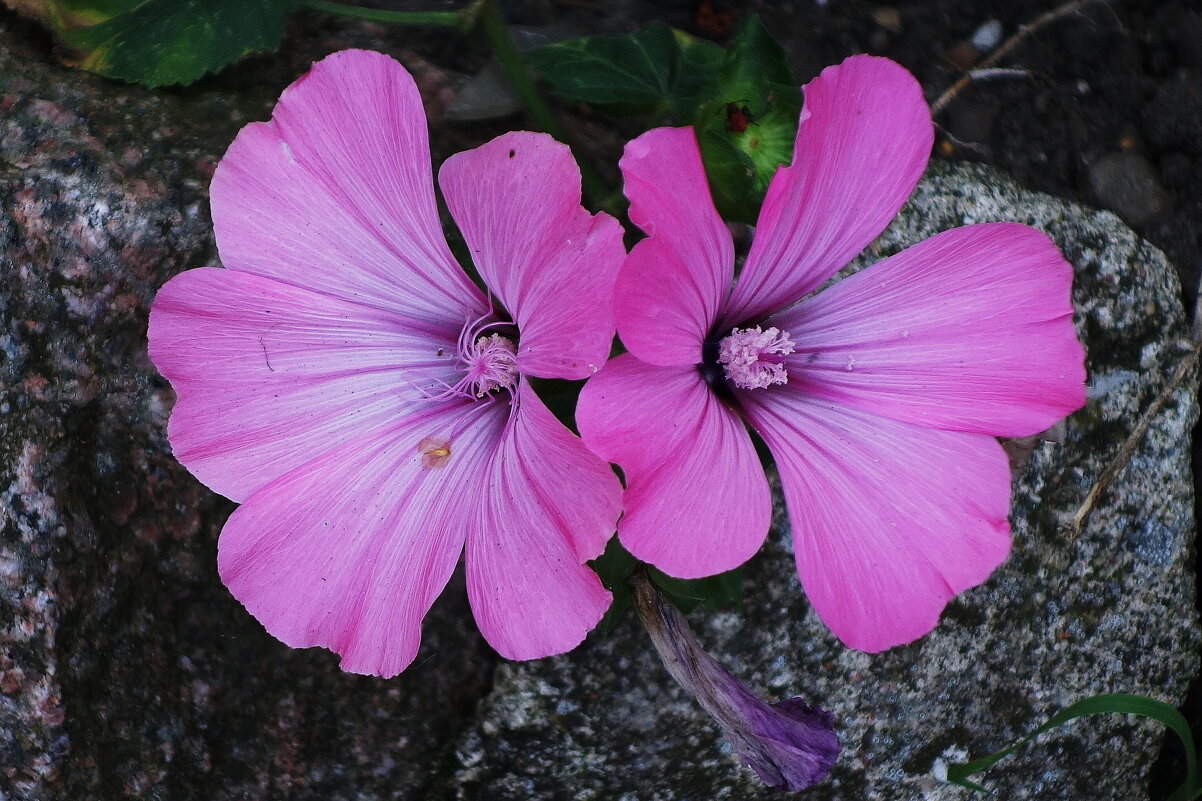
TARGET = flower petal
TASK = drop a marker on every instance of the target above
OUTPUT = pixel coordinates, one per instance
(970, 330)
(268, 375)
(544, 506)
(673, 283)
(335, 194)
(350, 550)
(697, 501)
(862, 145)
(551, 263)
(890, 521)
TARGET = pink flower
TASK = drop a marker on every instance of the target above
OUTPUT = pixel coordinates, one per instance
(878, 397)
(347, 383)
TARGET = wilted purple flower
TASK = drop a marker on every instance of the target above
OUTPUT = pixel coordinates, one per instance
(790, 744)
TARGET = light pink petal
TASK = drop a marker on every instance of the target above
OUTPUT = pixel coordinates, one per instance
(696, 501)
(335, 194)
(349, 551)
(542, 507)
(673, 283)
(550, 263)
(970, 330)
(890, 521)
(863, 143)
(268, 375)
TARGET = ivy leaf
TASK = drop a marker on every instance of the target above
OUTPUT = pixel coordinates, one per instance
(656, 69)
(165, 42)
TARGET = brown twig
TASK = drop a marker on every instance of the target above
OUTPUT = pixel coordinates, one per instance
(1014, 41)
(1127, 450)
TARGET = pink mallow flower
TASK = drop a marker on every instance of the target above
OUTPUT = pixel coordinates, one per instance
(879, 397)
(346, 382)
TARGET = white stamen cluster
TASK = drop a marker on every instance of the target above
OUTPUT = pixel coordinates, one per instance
(491, 363)
(751, 357)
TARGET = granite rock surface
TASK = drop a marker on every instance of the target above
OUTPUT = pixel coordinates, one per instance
(126, 669)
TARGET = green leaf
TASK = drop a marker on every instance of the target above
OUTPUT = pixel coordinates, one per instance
(712, 592)
(614, 567)
(656, 69)
(746, 130)
(164, 42)
(1121, 703)
(756, 71)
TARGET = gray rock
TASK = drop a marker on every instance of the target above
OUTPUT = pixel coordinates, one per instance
(1128, 184)
(126, 670)
(1109, 610)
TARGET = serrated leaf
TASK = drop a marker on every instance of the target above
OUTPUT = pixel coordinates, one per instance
(166, 42)
(654, 69)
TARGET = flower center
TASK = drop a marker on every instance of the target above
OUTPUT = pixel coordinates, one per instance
(489, 363)
(752, 358)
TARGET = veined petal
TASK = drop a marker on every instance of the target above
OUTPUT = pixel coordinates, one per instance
(267, 375)
(862, 145)
(697, 501)
(970, 330)
(543, 505)
(551, 263)
(349, 550)
(890, 521)
(334, 194)
(673, 283)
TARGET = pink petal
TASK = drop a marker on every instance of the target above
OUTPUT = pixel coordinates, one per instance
(349, 550)
(673, 283)
(890, 521)
(670, 200)
(863, 143)
(550, 263)
(696, 501)
(334, 194)
(542, 507)
(663, 315)
(268, 375)
(971, 330)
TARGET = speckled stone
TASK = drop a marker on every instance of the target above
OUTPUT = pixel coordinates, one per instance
(126, 669)
(1110, 610)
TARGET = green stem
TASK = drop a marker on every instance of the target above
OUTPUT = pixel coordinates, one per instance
(490, 22)
(443, 19)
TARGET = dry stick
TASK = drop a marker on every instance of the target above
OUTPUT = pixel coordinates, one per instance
(1187, 363)
(997, 55)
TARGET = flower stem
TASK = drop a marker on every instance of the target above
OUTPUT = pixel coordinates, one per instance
(514, 65)
(442, 19)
